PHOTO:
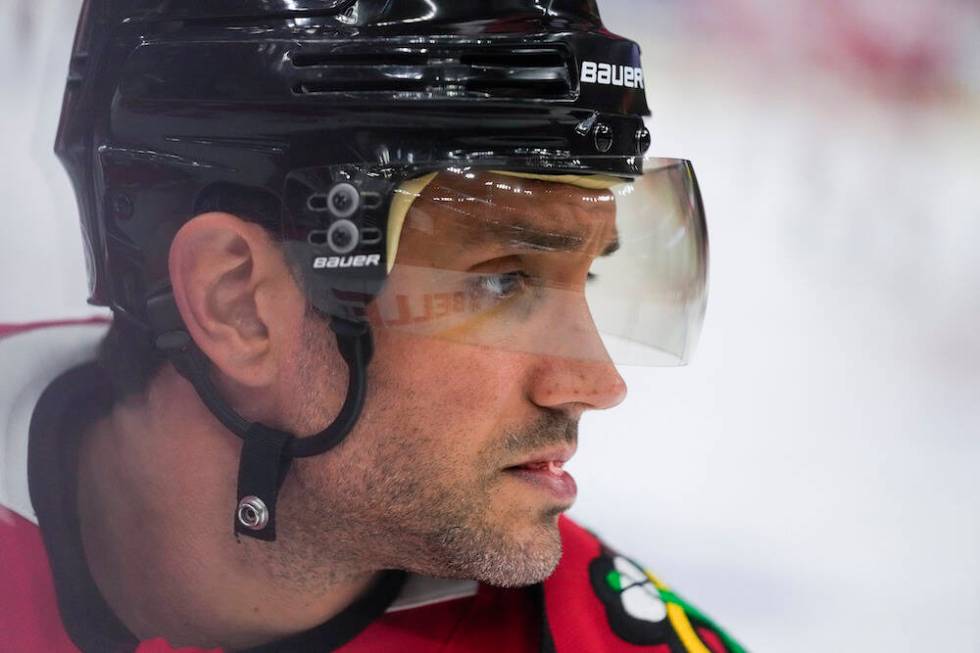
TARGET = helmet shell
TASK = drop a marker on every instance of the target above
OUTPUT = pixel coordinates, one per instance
(173, 108)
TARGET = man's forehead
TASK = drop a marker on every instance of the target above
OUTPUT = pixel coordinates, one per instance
(482, 207)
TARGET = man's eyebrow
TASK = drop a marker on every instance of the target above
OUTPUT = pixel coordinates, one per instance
(524, 235)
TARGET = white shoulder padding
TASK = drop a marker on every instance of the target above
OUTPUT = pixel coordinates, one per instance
(420, 591)
(30, 361)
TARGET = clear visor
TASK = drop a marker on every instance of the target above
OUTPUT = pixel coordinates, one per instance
(584, 267)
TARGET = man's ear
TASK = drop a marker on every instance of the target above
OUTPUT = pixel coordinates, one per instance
(236, 296)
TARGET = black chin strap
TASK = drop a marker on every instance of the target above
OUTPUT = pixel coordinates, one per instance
(267, 452)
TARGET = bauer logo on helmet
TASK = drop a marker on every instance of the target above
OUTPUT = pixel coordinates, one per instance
(359, 261)
(611, 75)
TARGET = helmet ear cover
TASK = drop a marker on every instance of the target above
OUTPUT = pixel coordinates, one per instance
(335, 231)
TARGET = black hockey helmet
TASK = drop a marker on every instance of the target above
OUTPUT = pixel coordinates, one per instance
(323, 120)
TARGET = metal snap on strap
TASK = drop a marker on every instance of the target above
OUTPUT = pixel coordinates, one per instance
(253, 513)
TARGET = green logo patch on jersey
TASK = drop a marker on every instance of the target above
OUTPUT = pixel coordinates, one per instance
(643, 611)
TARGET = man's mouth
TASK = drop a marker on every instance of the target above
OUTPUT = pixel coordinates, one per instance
(555, 467)
(547, 473)
(552, 458)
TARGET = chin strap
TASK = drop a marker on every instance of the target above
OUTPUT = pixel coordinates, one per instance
(266, 452)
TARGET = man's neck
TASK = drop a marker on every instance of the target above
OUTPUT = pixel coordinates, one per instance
(155, 493)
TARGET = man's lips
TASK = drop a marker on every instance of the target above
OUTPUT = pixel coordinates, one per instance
(545, 471)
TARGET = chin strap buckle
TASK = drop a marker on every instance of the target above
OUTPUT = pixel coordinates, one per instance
(262, 469)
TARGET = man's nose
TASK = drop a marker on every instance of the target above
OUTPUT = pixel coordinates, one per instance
(576, 385)
(576, 373)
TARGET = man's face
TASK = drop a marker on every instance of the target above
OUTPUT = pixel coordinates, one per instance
(486, 357)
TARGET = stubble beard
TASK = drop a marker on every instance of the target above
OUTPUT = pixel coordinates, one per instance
(362, 515)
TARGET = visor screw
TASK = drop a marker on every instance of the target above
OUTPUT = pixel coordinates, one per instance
(643, 140)
(604, 137)
(252, 513)
(122, 207)
(343, 200)
(343, 236)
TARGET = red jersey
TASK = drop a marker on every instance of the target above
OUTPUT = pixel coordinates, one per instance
(597, 600)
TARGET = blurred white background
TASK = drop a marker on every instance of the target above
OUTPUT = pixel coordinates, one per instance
(812, 479)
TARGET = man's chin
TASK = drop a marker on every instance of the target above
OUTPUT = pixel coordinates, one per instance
(525, 557)
(502, 555)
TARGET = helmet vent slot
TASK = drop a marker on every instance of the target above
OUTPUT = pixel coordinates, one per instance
(393, 58)
(501, 72)
(518, 73)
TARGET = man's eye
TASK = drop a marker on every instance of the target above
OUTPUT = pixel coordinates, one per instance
(502, 286)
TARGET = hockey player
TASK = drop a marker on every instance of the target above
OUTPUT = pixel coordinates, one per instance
(359, 254)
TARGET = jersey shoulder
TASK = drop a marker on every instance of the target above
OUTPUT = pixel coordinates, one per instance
(601, 600)
(29, 616)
